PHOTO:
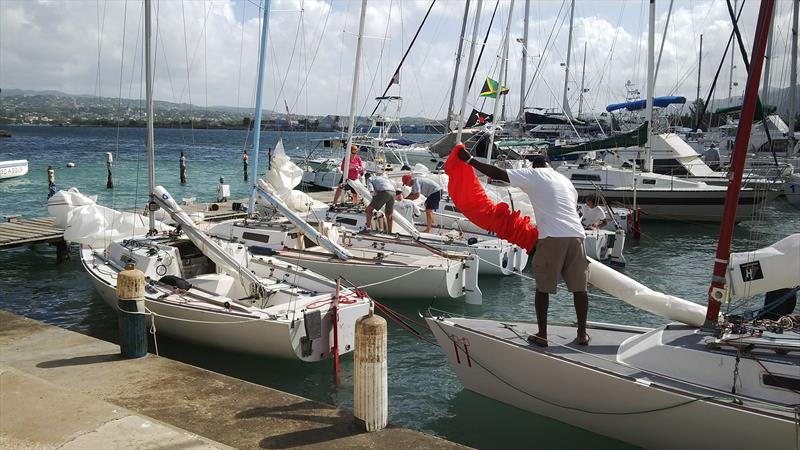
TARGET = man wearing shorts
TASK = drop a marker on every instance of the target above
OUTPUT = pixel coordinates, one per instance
(382, 190)
(430, 190)
(559, 251)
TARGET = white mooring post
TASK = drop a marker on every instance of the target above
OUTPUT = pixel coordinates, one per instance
(371, 399)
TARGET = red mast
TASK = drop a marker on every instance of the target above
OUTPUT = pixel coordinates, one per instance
(716, 293)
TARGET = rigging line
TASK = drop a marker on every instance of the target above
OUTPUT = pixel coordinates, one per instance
(380, 60)
(119, 97)
(313, 59)
(719, 67)
(241, 53)
(101, 25)
(396, 72)
(279, 94)
(663, 40)
(188, 78)
(483, 46)
(544, 54)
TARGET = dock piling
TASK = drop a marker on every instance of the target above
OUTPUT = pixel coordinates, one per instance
(371, 399)
(182, 166)
(131, 315)
(109, 163)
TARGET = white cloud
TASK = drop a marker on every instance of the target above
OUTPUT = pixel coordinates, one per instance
(54, 45)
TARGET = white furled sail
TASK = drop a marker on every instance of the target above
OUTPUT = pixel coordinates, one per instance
(282, 178)
(87, 223)
(767, 269)
(640, 296)
(263, 191)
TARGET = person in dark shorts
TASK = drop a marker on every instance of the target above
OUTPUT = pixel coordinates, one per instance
(382, 190)
(560, 251)
(430, 190)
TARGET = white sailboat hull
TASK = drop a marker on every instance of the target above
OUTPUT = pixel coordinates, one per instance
(238, 332)
(629, 408)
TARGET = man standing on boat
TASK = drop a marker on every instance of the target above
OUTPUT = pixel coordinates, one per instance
(428, 188)
(382, 196)
(593, 216)
(356, 170)
(559, 251)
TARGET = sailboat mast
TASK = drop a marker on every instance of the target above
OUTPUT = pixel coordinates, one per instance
(651, 50)
(793, 100)
(565, 101)
(354, 93)
(717, 291)
(470, 63)
(767, 64)
(522, 90)
(151, 171)
(455, 70)
(498, 99)
(262, 62)
(583, 77)
(733, 56)
(697, 118)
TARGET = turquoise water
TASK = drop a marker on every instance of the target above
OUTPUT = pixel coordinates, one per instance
(424, 393)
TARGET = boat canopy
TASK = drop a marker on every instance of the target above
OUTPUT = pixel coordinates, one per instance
(400, 142)
(637, 137)
(769, 109)
(659, 102)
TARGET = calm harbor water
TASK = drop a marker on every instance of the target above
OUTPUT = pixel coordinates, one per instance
(424, 393)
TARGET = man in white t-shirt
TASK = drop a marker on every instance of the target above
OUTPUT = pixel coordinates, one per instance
(559, 251)
(593, 216)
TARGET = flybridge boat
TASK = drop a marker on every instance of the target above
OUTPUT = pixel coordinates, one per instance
(661, 197)
(11, 169)
(709, 381)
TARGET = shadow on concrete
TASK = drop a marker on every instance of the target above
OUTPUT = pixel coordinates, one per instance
(79, 361)
(338, 426)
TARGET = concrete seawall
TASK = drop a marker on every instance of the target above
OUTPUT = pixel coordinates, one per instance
(59, 388)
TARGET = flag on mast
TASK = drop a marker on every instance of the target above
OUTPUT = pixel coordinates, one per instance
(489, 88)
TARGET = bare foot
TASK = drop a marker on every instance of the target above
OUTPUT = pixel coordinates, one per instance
(583, 338)
(541, 341)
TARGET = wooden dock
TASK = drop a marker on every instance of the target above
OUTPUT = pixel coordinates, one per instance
(16, 231)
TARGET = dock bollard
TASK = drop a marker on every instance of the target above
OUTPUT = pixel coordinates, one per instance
(131, 315)
(371, 398)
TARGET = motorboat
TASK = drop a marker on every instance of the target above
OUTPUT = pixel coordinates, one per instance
(14, 168)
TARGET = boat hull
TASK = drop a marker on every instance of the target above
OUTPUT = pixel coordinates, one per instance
(12, 169)
(629, 408)
(240, 333)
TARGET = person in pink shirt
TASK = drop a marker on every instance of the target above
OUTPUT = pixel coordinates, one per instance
(356, 169)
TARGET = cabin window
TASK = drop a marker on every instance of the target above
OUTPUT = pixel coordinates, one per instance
(450, 208)
(255, 237)
(585, 177)
(781, 381)
(648, 181)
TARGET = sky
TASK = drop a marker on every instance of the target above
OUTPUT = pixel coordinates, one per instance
(206, 51)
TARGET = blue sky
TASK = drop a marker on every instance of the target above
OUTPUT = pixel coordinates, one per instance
(206, 50)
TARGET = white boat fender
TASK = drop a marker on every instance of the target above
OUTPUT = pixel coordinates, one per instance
(70, 164)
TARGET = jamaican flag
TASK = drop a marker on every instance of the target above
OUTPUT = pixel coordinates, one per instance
(489, 88)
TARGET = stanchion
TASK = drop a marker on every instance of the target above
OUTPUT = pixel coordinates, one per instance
(371, 400)
(131, 316)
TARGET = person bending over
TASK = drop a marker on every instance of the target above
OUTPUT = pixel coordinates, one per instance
(559, 251)
(593, 216)
(430, 190)
(382, 191)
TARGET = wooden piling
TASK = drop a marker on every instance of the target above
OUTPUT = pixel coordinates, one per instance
(131, 313)
(371, 399)
(109, 163)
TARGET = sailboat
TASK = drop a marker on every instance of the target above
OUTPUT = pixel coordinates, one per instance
(208, 291)
(705, 382)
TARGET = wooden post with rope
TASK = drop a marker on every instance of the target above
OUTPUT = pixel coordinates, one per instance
(131, 313)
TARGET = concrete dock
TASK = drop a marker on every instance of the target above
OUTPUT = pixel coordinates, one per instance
(62, 389)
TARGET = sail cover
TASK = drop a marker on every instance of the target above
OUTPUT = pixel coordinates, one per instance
(658, 102)
(469, 197)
